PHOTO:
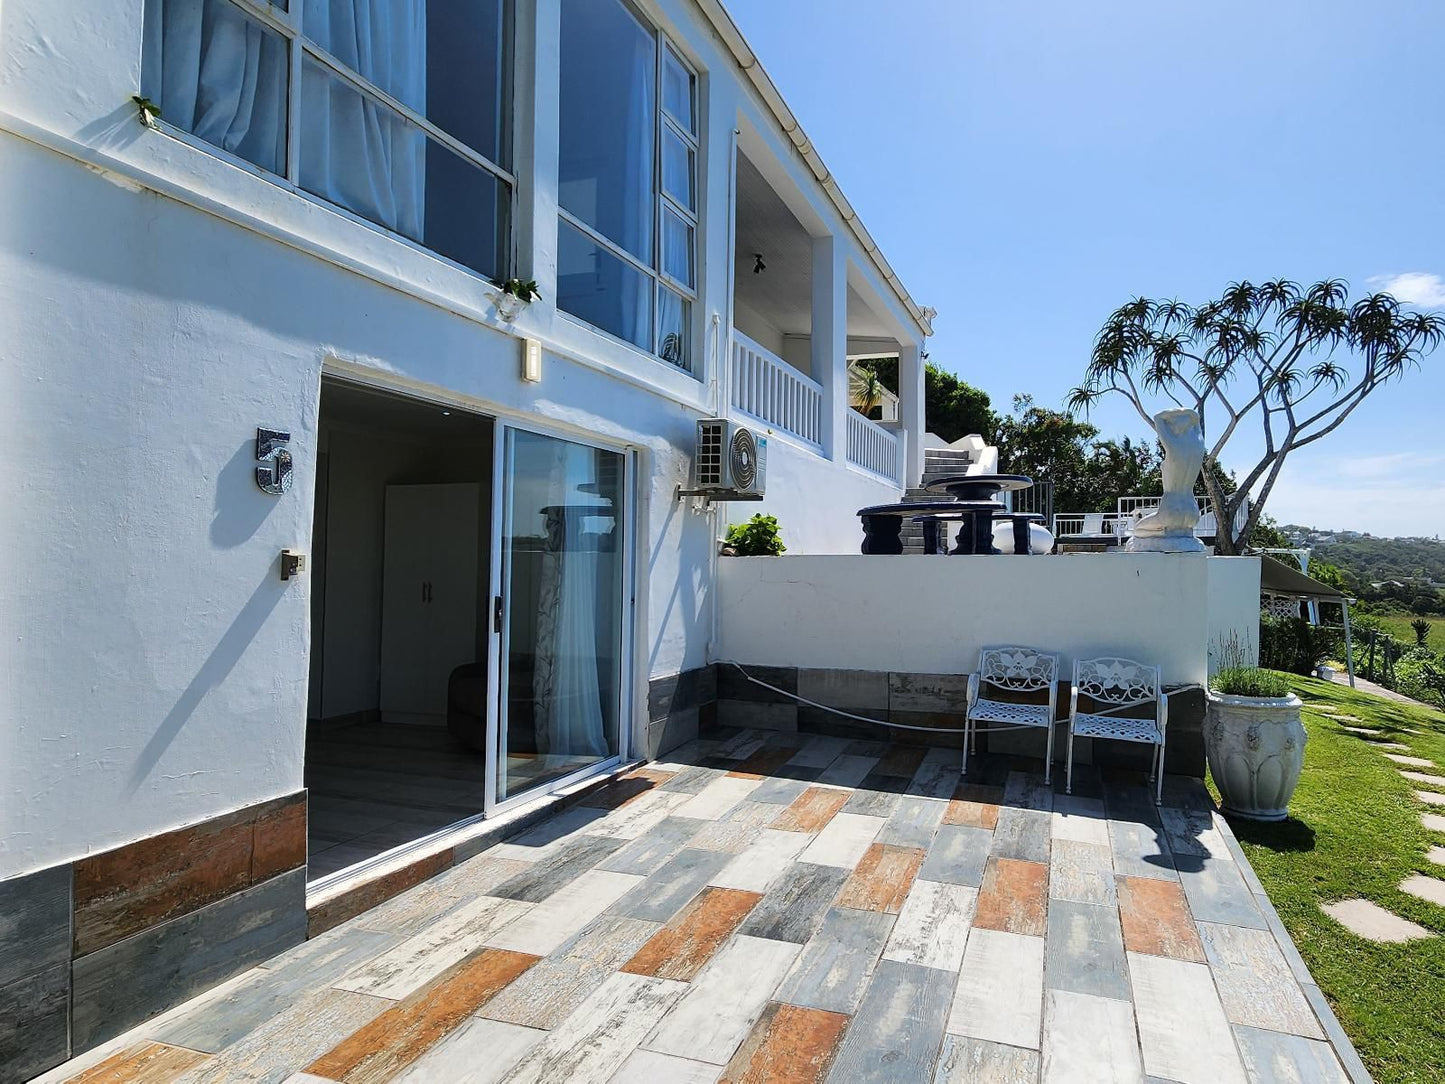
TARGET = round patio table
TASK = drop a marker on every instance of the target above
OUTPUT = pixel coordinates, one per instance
(970, 488)
(883, 523)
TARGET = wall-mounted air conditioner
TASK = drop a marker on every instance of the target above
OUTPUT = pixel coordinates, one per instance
(730, 462)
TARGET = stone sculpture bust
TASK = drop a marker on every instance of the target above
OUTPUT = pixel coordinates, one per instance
(1170, 527)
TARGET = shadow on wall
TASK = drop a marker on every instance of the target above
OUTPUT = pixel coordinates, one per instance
(241, 507)
(221, 661)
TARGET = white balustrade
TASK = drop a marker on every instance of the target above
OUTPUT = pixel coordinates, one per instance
(773, 392)
(874, 448)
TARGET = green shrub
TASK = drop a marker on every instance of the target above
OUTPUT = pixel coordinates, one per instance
(758, 537)
(1250, 681)
(1295, 646)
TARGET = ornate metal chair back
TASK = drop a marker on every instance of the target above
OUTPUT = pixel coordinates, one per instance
(1018, 669)
(1114, 682)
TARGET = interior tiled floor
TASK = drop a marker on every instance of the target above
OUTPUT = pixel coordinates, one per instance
(781, 907)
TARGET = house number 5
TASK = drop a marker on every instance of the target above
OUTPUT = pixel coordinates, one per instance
(273, 474)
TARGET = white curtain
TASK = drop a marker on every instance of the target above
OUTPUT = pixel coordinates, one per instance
(218, 75)
(567, 689)
(353, 151)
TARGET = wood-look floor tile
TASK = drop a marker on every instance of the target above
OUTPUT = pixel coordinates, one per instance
(620, 792)
(767, 858)
(913, 823)
(978, 1061)
(681, 948)
(900, 1029)
(479, 1051)
(1089, 1040)
(958, 855)
(1255, 984)
(1014, 897)
(142, 1063)
(788, 1045)
(396, 1038)
(1000, 992)
(932, 929)
(901, 760)
(882, 879)
(1084, 950)
(837, 961)
(811, 810)
(844, 841)
(1183, 1032)
(1081, 872)
(553, 921)
(1156, 919)
(650, 1067)
(662, 894)
(763, 763)
(974, 805)
(795, 905)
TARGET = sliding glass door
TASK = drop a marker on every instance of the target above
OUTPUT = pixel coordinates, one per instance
(561, 609)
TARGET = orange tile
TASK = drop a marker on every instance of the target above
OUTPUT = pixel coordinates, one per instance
(143, 1063)
(765, 761)
(1014, 897)
(403, 1033)
(901, 760)
(1156, 919)
(367, 895)
(974, 805)
(788, 1045)
(811, 810)
(279, 839)
(882, 879)
(679, 949)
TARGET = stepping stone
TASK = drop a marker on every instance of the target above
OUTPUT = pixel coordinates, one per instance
(1363, 731)
(1329, 709)
(1433, 822)
(1372, 922)
(1430, 889)
(1391, 745)
(1436, 854)
(1429, 797)
(1413, 762)
(1425, 780)
(1348, 719)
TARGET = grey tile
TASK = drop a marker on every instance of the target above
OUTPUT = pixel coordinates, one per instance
(874, 797)
(34, 922)
(905, 1008)
(668, 890)
(733, 684)
(795, 906)
(938, 775)
(1343, 1048)
(958, 855)
(546, 876)
(692, 779)
(1273, 1058)
(1217, 893)
(927, 692)
(1024, 834)
(780, 789)
(672, 731)
(649, 851)
(847, 770)
(978, 1061)
(758, 715)
(1255, 984)
(122, 984)
(1082, 872)
(269, 991)
(34, 1032)
(1140, 850)
(913, 822)
(1084, 950)
(1027, 790)
(834, 967)
(851, 690)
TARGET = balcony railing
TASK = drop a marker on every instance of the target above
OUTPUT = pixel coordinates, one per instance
(1130, 510)
(874, 448)
(772, 391)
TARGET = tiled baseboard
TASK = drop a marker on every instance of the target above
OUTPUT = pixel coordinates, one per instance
(89, 948)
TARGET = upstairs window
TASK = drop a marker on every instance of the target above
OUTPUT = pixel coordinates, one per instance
(627, 180)
(396, 110)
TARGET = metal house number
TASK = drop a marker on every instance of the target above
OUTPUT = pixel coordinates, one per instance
(274, 473)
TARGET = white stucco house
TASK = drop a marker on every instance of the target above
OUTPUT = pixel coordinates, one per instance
(300, 525)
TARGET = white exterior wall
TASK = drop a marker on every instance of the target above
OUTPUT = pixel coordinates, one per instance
(159, 304)
(1233, 607)
(932, 615)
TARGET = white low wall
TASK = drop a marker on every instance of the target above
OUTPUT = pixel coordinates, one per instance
(931, 614)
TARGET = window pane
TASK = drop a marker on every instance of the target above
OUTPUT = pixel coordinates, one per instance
(677, 168)
(446, 59)
(608, 121)
(677, 87)
(220, 76)
(364, 156)
(675, 315)
(603, 289)
(676, 247)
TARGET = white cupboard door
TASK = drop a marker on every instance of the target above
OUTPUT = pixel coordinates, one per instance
(453, 601)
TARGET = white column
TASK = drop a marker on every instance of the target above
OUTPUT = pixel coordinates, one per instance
(539, 33)
(910, 410)
(829, 361)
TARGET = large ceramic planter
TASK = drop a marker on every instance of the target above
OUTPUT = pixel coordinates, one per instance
(1256, 750)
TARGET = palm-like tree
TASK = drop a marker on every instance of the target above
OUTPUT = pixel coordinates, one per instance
(865, 389)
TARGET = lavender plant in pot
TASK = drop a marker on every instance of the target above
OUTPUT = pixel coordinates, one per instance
(1254, 740)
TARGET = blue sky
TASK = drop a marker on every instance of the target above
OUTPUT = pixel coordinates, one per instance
(1027, 167)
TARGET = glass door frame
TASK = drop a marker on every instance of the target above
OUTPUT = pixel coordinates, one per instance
(501, 611)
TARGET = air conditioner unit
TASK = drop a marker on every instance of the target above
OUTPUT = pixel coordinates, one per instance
(731, 462)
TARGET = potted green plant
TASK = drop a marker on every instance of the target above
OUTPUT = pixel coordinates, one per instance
(1254, 740)
(758, 537)
(515, 294)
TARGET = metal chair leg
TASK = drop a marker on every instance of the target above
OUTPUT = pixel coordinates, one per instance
(964, 770)
(1069, 771)
(1049, 756)
(1159, 793)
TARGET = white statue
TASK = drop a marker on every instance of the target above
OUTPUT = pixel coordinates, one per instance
(1170, 527)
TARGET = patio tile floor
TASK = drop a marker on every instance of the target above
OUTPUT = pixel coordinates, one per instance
(778, 907)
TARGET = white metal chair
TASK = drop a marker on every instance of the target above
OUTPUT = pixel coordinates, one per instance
(1029, 677)
(1112, 686)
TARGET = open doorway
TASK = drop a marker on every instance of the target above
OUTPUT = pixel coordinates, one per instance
(396, 735)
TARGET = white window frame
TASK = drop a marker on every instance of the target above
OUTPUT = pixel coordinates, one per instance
(661, 281)
(288, 25)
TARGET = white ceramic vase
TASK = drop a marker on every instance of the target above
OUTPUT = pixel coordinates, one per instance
(1256, 750)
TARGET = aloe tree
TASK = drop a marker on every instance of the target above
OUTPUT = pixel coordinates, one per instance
(1296, 361)
(865, 388)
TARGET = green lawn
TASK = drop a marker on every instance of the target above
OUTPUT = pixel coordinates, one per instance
(1355, 832)
(1398, 626)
